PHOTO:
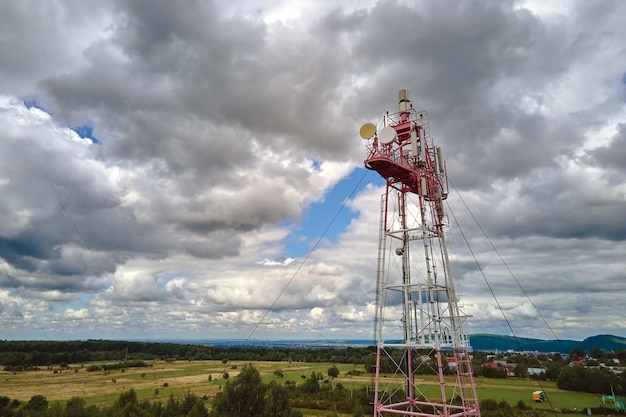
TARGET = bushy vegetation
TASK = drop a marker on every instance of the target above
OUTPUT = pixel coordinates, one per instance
(594, 380)
(492, 408)
(25, 355)
(119, 365)
(247, 396)
(127, 405)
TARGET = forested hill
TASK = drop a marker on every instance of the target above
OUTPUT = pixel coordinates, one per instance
(491, 342)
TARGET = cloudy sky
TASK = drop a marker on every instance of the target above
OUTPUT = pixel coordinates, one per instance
(193, 169)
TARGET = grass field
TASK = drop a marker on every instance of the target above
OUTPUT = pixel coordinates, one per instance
(163, 379)
(513, 390)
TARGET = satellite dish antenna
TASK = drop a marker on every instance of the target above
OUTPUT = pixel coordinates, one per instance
(387, 135)
(367, 130)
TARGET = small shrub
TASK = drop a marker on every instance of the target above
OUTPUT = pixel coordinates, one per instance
(488, 405)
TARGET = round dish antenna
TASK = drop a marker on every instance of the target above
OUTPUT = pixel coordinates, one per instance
(387, 135)
(367, 130)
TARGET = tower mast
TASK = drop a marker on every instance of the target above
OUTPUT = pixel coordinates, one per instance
(418, 325)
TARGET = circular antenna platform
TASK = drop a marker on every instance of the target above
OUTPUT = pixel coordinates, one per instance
(367, 130)
(387, 135)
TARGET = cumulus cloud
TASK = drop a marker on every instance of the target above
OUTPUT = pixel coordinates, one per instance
(213, 131)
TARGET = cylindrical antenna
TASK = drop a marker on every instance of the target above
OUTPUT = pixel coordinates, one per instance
(424, 189)
(404, 104)
(440, 158)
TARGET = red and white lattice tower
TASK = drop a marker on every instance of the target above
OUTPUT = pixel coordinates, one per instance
(423, 363)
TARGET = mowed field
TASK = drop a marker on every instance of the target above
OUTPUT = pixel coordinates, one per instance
(160, 380)
(204, 378)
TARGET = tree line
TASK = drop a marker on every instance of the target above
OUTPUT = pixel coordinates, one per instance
(31, 354)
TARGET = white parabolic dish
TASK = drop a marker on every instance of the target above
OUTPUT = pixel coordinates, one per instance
(387, 135)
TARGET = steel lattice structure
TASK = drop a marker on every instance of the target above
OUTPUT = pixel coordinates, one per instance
(423, 363)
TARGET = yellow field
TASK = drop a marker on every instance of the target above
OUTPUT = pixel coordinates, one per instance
(157, 382)
(99, 386)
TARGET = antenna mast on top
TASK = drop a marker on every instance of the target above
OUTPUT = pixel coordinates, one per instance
(418, 319)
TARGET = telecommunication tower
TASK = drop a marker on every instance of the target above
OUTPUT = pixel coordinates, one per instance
(423, 364)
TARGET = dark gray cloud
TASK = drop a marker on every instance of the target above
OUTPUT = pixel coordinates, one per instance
(612, 155)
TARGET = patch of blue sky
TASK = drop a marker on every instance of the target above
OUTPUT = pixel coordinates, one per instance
(85, 131)
(76, 304)
(317, 165)
(328, 218)
(33, 102)
(163, 278)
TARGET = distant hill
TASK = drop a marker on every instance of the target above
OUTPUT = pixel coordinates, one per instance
(492, 342)
(605, 342)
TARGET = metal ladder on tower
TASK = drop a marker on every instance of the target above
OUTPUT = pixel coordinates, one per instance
(465, 377)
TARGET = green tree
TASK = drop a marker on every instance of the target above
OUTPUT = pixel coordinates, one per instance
(596, 353)
(198, 410)
(358, 410)
(277, 401)
(577, 353)
(552, 370)
(76, 407)
(125, 398)
(37, 403)
(243, 396)
(577, 378)
(312, 384)
(521, 370)
(333, 371)
(571, 378)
